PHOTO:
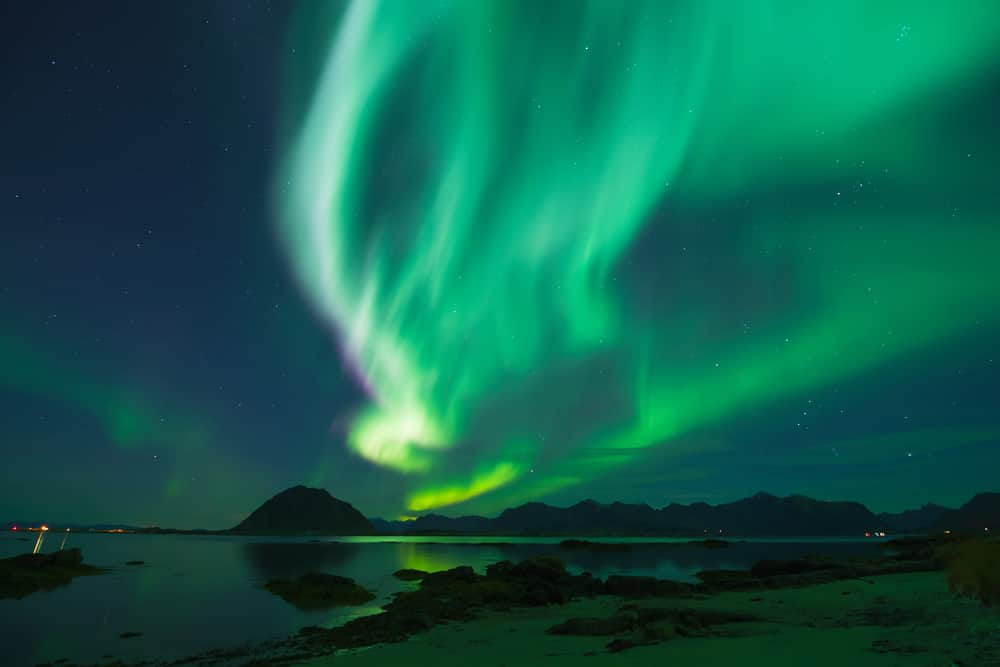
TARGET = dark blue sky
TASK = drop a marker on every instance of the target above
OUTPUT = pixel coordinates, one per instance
(159, 365)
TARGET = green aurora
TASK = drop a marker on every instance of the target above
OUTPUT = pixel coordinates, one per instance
(550, 237)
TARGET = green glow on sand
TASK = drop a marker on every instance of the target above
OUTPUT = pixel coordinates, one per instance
(465, 197)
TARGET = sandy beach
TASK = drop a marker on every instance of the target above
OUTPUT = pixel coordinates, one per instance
(901, 619)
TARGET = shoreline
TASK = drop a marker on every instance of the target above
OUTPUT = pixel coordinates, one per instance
(890, 609)
(890, 619)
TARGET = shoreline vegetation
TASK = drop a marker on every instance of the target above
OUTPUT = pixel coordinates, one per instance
(923, 600)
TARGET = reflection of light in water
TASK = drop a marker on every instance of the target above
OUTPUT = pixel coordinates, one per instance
(40, 540)
(65, 537)
(413, 557)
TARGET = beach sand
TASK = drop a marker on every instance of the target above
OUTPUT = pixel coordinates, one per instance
(902, 619)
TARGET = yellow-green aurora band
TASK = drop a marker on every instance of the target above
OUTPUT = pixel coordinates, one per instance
(466, 195)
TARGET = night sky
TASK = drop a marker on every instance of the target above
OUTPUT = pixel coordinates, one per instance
(456, 256)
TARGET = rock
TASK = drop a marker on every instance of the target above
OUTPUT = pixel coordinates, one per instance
(618, 645)
(499, 570)
(650, 625)
(544, 568)
(407, 574)
(728, 580)
(135, 562)
(807, 572)
(461, 574)
(316, 590)
(628, 586)
(25, 574)
(459, 594)
(773, 568)
(594, 627)
(64, 558)
(666, 587)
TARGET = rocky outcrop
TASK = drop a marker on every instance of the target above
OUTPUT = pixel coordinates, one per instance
(638, 626)
(460, 594)
(318, 591)
(810, 571)
(25, 574)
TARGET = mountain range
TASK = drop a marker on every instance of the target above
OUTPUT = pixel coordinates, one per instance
(981, 514)
(301, 510)
(762, 514)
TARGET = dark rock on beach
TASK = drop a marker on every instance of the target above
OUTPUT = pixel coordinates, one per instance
(594, 627)
(406, 574)
(772, 568)
(636, 626)
(631, 586)
(812, 571)
(317, 591)
(460, 594)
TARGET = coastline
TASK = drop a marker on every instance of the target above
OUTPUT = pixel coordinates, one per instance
(892, 619)
(896, 608)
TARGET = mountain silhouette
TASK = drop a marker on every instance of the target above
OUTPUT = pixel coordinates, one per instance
(762, 514)
(982, 512)
(913, 520)
(303, 510)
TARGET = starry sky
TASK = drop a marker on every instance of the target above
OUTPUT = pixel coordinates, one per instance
(453, 256)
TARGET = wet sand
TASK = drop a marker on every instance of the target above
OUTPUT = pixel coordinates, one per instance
(901, 619)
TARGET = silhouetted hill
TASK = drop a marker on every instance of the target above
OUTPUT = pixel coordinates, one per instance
(435, 523)
(913, 520)
(303, 510)
(765, 514)
(761, 514)
(585, 516)
(983, 511)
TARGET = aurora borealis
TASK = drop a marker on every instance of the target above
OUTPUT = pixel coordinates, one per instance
(466, 254)
(471, 183)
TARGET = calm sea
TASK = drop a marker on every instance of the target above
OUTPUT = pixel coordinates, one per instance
(196, 593)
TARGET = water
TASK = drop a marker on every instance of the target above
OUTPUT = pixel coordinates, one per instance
(200, 592)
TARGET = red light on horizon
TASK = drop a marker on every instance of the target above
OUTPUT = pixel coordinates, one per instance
(14, 528)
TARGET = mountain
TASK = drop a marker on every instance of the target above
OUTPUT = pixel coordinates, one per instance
(585, 516)
(303, 510)
(913, 520)
(765, 514)
(983, 511)
(434, 523)
(761, 514)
